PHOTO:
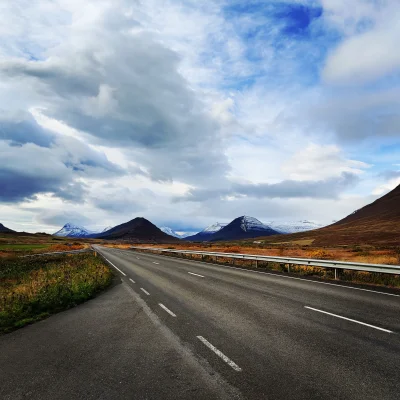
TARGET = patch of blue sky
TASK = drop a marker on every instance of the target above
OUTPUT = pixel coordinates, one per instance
(287, 41)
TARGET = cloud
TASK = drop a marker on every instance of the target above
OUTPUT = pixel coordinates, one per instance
(29, 170)
(34, 161)
(19, 127)
(329, 188)
(122, 200)
(125, 90)
(59, 218)
(370, 51)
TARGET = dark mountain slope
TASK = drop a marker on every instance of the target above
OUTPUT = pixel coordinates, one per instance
(138, 230)
(377, 223)
(4, 229)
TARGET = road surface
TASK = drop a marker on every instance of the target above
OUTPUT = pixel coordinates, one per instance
(182, 329)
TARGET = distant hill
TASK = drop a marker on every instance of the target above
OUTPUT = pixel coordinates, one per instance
(293, 227)
(206, 233)
(243, 227)
(377, 223)
(4, 229)
(138, 230)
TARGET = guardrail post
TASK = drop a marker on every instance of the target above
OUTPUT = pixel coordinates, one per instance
(288, 268)
(336, 274)
(256, 263)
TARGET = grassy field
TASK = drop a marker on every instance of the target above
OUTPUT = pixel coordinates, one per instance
(23, 247)
(35, 287)
(32, 244)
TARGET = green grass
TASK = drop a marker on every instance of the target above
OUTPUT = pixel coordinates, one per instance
(33, 288)
(22, 247)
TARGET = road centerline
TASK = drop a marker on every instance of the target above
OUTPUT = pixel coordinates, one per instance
(145, 291)
(192, 273)
(219, 354)
(167, 310)
(154, 262)
(349, 319)
(132, 280)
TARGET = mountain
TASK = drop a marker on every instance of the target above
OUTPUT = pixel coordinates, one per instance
(243, 228)
(293, 227)
(139, 230)
(376, 224)
(170, 232)
(4, 229)
(72, 230)
(106, 229)
(206, 233)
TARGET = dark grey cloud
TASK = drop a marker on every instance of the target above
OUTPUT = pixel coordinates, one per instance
(324, 189)
(124, 89)
(33, 162)
(20, 127)
(75, 192)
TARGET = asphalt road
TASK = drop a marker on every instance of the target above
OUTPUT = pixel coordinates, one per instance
(182, 329)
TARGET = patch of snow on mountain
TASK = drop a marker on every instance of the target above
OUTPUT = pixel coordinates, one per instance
(106, 229)
(71, 230)
(252, 224)
(294, 226)
(213, 228)
(170, 232)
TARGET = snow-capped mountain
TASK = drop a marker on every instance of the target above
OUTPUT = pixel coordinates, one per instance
(294, 226)
(72, 230)
(206, 233)
(107, 228)
(170, 232)
(243, 227)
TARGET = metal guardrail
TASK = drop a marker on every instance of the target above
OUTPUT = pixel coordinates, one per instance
(382, 268)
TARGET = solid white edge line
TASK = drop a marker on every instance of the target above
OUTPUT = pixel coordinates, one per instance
(192, 273)
(219, 354)
(287, 277)
(349, 319)
(166, 309)
(123, 273)
(145, 291)
(132, 280)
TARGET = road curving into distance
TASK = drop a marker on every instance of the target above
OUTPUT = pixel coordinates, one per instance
(233, 333)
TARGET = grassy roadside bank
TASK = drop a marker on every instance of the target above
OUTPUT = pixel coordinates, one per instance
(35, 287)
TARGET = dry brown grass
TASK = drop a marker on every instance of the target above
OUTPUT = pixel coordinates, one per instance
(359, 254)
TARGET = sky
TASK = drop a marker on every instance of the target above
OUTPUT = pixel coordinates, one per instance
(188, 112)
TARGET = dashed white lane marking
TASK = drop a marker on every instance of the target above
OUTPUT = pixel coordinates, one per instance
(123, 273)
(132, 280)
(145, 291)
(138, 258)
(166, 309)
(155, 262)
(220, 354)
(348, 319)
(192, 273)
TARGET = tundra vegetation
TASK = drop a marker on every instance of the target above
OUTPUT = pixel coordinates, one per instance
(32, 288)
